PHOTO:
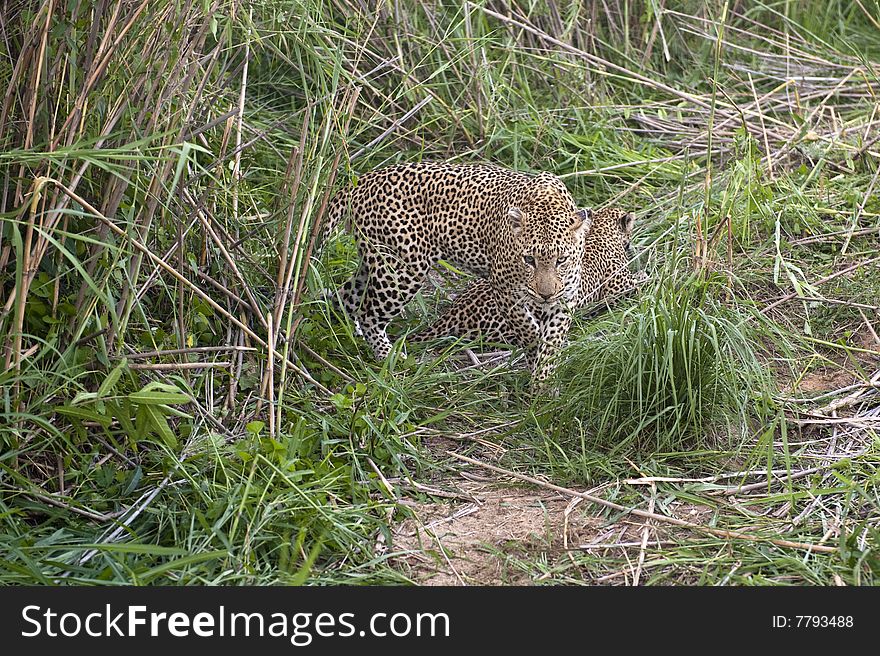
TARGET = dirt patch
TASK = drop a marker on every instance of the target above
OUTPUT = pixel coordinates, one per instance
(484, 541)
(867, 339)
(474, 543)
(494, 530)
(840, 371)
(825, 380)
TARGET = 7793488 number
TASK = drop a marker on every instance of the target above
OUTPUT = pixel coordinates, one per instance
(823, 621)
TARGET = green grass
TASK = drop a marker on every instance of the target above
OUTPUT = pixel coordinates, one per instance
(163, 177)
(660, 373)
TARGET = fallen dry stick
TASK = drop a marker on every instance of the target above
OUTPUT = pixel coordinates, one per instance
(734, 535)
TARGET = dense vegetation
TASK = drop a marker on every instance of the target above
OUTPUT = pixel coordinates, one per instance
(181, 405)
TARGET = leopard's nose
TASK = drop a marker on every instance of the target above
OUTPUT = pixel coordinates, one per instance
(546, 296)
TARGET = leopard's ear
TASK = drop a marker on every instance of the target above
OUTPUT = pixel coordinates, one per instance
(627, 223)
(583, 221)
(515, 216)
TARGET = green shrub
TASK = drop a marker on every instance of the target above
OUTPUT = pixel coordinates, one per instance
(663, 372)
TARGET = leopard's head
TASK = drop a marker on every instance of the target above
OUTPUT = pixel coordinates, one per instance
(550, 248)
(608, 254)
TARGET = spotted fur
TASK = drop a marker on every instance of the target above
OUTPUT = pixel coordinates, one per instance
(605, 275)
(522, 233)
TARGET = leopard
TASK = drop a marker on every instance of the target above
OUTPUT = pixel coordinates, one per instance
(521, 232)
(606, 277)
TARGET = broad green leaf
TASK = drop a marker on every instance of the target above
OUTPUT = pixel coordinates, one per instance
(82, 397)
(158, 398)
(84, 414)
(161, 427)
(112, 378)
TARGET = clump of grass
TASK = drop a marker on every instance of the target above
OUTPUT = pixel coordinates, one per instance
(664, 374)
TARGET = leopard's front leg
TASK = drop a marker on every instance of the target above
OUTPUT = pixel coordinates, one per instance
(554, 323)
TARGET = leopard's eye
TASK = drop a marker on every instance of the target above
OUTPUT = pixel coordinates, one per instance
(529, 260)
(560, 260)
